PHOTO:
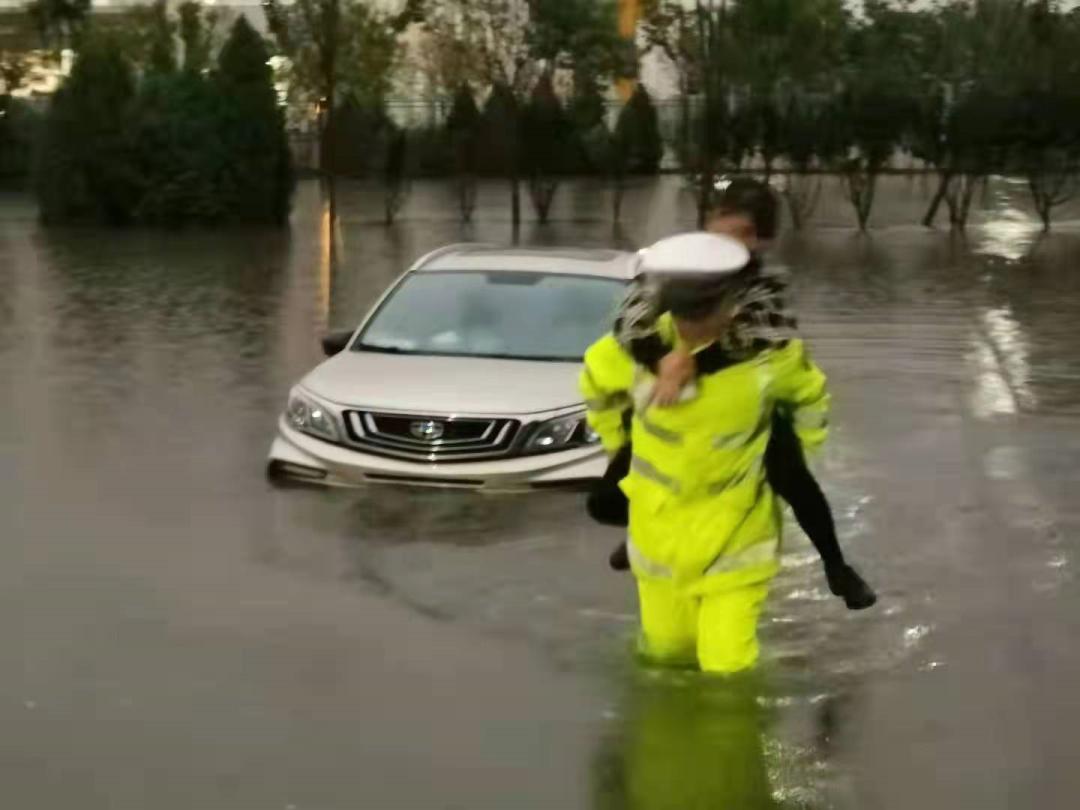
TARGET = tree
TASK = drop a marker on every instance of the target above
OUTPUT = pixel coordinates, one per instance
(1048, 150)
(638, 133)
(487, 43)
(85, 169)
(583, 38)
(870, 118)
(371, 52)
(782, 50)
(463, 132)
(20, 65)
(257, 181)
(968, 65)
(636, 146)
(196, 33)
(178, 151)
(718, 147)
(162, 38)
(483, 42)
(671, 29)
(872, 114)
(61, 23)
(806, 145)
(1046, 120)
(594, 142)
(322, 40)
(20, 127)
(547, 144)
(395, 177)
(177, 147)
(501, 142)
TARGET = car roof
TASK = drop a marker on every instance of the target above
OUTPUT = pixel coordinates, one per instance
(614, 264)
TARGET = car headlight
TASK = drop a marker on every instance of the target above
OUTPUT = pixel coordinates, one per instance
(309, 416)
(561, 433)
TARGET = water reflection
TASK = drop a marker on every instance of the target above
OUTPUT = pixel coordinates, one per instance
(1002, 372)
(141, 377)
(1008, 228)
(328, 262)
(687, 742)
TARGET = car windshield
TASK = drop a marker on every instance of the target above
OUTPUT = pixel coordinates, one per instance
(514, 315)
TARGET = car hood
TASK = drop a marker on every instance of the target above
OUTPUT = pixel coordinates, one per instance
(444, 385)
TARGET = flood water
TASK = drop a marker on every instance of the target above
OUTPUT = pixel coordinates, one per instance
(176, 633)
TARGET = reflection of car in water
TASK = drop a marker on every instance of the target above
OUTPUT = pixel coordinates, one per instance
(465, 374)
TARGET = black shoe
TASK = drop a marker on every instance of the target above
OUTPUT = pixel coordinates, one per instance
(846, 583)
(620, 558)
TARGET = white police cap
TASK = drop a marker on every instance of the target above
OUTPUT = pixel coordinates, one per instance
(694, 254)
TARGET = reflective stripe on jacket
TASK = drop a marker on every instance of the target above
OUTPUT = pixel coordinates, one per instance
(700, 509)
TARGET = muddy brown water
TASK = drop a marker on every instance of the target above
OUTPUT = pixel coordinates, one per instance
(179, 634)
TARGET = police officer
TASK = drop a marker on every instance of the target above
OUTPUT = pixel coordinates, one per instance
(704, 526)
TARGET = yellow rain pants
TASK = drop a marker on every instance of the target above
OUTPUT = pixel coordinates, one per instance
(717, 631)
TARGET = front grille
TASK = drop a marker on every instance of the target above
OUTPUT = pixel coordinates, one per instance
(430, 438)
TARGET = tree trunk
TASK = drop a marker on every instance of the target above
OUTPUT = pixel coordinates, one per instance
(862, 195)
(466, 196)
(542, 190)
(1041, 198)
(801, 200)
(705, 183)
(515, 201)
(618, 191)
(794, 211)
(394, 199)
(967, 193)
(858, 191)
(871, 194)
(944, 181)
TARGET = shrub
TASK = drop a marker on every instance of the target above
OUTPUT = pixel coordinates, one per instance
(178, 148)
(638, 134)
(548, 145)
(257, 178)
(85, 171)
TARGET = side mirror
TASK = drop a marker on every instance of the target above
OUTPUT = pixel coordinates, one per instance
(335, 342)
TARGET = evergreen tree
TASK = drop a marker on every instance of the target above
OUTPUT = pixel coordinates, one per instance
(500, 142)
(548, 145)
(85, 172)
(257, 180)
(178, 150)
(637, 134)
(162, 46)
(463, 133)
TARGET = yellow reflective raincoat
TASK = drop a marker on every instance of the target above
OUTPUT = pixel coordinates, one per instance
(703, 519)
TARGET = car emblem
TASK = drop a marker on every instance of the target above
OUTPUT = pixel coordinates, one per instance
(427, 431)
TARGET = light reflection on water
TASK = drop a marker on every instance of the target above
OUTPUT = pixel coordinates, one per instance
(1009, 234)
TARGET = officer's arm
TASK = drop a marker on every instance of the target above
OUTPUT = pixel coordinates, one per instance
(605, 384)
(801, 391)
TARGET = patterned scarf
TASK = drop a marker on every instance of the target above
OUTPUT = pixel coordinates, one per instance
(761, 320)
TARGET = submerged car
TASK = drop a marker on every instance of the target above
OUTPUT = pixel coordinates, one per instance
(463, 375)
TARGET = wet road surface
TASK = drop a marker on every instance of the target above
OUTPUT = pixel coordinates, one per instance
(179, 634)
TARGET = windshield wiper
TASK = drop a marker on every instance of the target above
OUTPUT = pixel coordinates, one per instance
(370, 347)
(540, 358)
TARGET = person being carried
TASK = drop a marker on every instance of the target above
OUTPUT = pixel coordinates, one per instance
(746, 210)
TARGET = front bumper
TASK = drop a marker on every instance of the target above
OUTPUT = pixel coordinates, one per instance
(301, 458)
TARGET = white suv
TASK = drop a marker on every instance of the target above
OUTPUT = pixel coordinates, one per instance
(464, 375)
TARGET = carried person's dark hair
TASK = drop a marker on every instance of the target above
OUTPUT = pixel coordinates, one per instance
(750, 198)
